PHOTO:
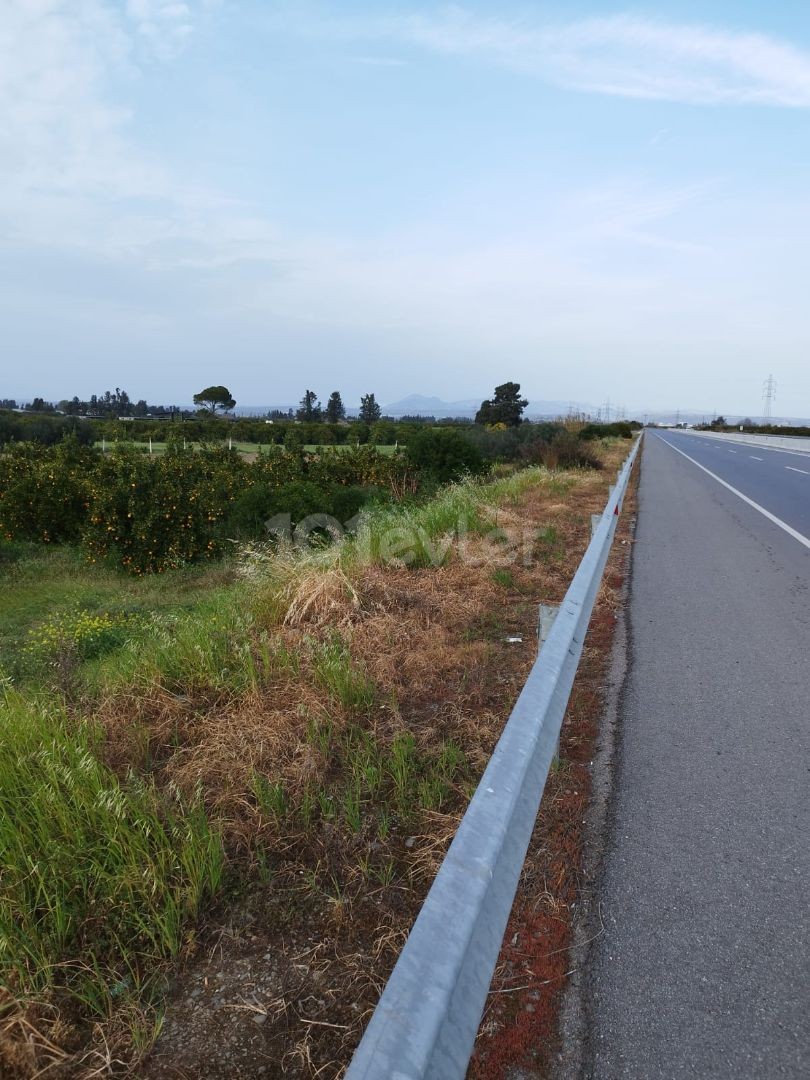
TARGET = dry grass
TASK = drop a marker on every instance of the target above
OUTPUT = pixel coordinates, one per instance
(299, 747)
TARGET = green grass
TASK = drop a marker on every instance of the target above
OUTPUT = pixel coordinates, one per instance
(203, 651)
(503, 577)
(249, 447)
(103, 875)
(423, 534)
(370, 782)
(346, 684)
(42, 586)
(100, 876)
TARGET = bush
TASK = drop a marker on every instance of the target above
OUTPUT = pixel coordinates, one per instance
(347, 502)
(508, 444)
(151, 513)
(44, 493)
(444, 454)
(565, 451)
(43, 429)
(622, 429)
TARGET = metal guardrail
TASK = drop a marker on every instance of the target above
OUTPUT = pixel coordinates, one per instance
(427, 1018)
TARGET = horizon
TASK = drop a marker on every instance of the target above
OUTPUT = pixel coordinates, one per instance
(535, 410)
(598, 205)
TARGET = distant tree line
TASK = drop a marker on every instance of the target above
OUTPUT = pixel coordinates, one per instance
(112, 403)
(499, 433)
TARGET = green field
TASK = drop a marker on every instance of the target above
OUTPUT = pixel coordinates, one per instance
(41, 583)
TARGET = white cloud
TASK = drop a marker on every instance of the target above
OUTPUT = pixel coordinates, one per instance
(622, 55)
(74, 172)
(163, 24)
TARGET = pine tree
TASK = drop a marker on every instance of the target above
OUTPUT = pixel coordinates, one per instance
(310, 408)
(505, 407)
(335, 409)
(370, 411)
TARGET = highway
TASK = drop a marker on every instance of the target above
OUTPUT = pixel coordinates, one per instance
(702, 968)
(778, 480)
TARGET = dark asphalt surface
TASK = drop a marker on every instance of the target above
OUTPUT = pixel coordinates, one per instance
(703, 969)
(776, 479)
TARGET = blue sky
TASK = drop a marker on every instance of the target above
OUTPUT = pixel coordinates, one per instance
(595, 200)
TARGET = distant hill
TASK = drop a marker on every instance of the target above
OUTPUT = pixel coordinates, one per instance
(421, 405)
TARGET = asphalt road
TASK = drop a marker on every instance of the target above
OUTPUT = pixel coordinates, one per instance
(779, 480)
(703, 968)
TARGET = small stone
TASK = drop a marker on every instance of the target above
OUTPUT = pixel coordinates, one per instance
(259, 1018)
(410, 841)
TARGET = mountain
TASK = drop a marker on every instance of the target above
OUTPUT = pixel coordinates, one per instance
(421, 405)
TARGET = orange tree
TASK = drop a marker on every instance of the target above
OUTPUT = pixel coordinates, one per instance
(45, 491)
(149, 514)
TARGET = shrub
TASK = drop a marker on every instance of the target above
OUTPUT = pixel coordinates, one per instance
(148, 514)
(66, 636)
(565, 451)
(622, 429)
(507, 444)
(43, 429)
(45, 493)
(152, 514)
(444, 454)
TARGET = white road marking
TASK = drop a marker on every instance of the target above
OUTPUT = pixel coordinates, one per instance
(806, 473)
(755, 458)
(731, 451)
(718, 445)
(765, 513)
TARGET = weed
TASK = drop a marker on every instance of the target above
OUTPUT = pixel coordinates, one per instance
(383, 823)
(503, 577)
(271, 797)
(346, 684)
(92, 866)
(319, 734)
(351, 808)
(385, 872)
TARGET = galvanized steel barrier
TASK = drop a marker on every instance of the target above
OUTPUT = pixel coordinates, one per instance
(426, 1021)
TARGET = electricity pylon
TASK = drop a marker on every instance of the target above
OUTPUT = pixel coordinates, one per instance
(768, 396)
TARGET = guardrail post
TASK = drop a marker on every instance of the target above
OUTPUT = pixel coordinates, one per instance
(548, 613)
(595, 519)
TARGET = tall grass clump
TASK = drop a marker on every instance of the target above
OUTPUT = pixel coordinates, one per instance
(211, 649)
(343, 680)
(293, 583)
(100, 877)
(423, 534)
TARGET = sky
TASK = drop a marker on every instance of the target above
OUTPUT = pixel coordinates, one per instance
(596, 201)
